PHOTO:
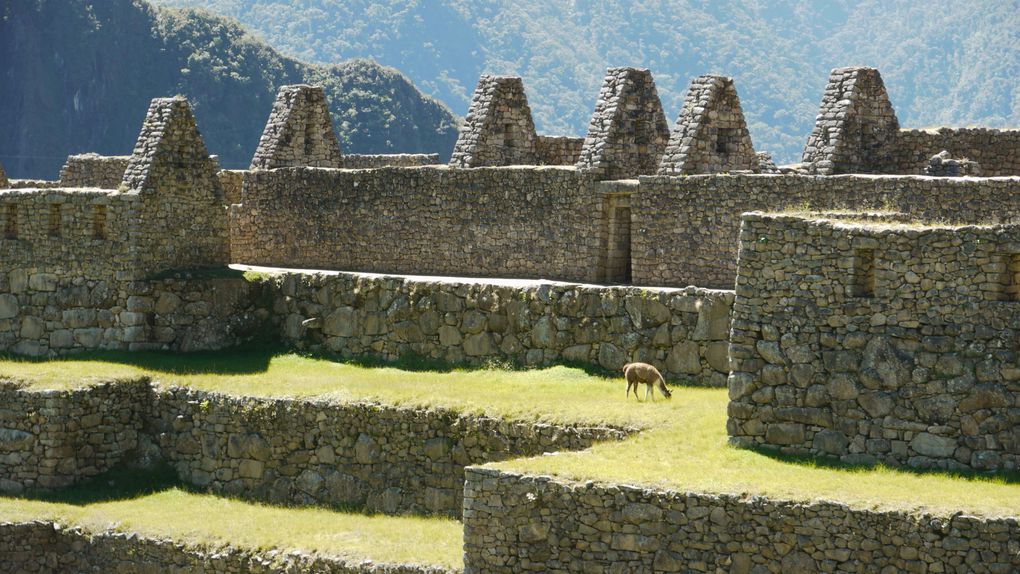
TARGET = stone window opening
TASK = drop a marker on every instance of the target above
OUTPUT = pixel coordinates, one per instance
(54, 223)
(11, 222)
(862, 273)
(309, 139)
(1009, 278)
(99, 222)
(722, 140)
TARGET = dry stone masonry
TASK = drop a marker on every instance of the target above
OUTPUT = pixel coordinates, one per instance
(710, 135)
(517, 523)
(498, 129)
(681, 331)
(3, 178)
(628, 131)
(299, 131)
(878, 342)
(94, 170)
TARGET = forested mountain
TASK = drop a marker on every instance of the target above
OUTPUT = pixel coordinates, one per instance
(77, 75)
(945, 62)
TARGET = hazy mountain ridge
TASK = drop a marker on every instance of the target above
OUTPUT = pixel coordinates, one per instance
(944, 62)
(78, 76)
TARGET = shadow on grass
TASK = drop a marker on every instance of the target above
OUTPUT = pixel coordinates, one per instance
(248, 359)
(830, 463)
(118, 484)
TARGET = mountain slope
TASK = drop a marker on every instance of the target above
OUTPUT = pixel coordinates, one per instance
(944, 62)
(78, 75)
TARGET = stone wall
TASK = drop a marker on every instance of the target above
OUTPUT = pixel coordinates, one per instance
(3, 178)
(32, 184)
(42, 313)
(231, 181)
(628, 131)
(52, 439)
(682, 331)
(997, 151)
(494, 222)
(93, 170)
(498, 129)
(710, 135)
(558, 150)
(299, 131)
(45, 547)
(515, 523)
(368, 161)
(878, 343)
(375, 457)
(685, 230)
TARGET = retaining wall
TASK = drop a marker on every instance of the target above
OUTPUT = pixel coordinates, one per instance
(872, 343)
(375, 457)
(44, 547)
(515, 523)
(682, 331)
(42, 313)
(52, 439)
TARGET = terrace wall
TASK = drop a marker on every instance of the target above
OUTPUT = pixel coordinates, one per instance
(874, 343)
(52, 439)
(681, 331)
(515, 523)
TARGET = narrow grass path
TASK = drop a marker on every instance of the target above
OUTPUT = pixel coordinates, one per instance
(684, 445)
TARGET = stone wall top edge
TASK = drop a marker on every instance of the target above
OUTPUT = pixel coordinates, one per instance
(965, 130)
(26, 388)
(320, 274)
(914, 227)
(702, 178)
(59, 191)
(493, 472)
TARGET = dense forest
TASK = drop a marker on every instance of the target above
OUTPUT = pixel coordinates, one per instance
(77, 76)
(944, 62)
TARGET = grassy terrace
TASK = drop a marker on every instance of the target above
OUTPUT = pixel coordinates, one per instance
(151, 505)
(684, 446)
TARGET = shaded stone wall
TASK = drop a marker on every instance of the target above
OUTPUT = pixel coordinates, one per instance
(45, 547)
(376, 457)
(628, 131)
(42, 313)
(495, 222)
(515, 523)
(93, 170)
(878, 344)
(498, 129)
(685, 230)
(231, 181)
(3, 178)
(710, 135)
(681, 331)
(558, 150)
(299, 131)
(52, 439)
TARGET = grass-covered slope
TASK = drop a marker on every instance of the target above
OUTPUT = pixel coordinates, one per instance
(684, 444)
(77, 76)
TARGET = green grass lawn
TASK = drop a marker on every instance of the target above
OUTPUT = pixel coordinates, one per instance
(684, 447)
(208, 520)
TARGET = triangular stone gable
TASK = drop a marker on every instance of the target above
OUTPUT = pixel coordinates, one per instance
(628, 131)
(170, 155)
(710, 134)
(299, 132)
(856, 127)
(498, 129)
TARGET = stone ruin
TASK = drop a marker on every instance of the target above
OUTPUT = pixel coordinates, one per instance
(3, 178)
(299, 131)
(943, 164)
(498, 129)
(628, 131)
(856, 124)
(710, 135)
